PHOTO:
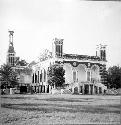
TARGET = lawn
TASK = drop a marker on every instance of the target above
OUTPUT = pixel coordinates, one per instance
(59, 109)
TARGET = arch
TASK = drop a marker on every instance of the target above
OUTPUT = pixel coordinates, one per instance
(68, 73)
(95, 73)
(82, 69)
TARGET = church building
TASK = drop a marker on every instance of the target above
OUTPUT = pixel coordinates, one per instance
(83, 74)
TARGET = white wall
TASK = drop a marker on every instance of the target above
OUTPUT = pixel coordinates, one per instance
(68, 73)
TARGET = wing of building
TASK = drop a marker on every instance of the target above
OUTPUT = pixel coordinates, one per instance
(83, 74)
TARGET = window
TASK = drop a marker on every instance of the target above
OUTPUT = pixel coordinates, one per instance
(74, 76)
(88, 76)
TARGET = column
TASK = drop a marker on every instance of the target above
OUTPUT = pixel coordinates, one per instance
(38, 76)
(97, 90)
(42, 76)
(89, 90)
(49, 89)
(46, 86)
(102, 91)
(83, 87)
(34, 77)
(36, 89)
(93, 89)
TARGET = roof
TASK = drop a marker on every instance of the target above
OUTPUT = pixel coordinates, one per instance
(11, 49)
(81, 57)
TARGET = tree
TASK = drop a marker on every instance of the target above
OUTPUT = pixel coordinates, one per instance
(21, 62)
(56, 76)
(8, 76)
(114, 77)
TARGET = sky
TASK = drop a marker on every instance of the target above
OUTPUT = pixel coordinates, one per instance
(82, 25)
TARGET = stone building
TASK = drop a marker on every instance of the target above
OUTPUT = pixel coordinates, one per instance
(83, 73)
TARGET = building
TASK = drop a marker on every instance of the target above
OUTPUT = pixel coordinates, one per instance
(83, 74)
(24, 73)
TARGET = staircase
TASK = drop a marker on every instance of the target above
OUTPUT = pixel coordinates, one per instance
(111, 92)
(66, 91)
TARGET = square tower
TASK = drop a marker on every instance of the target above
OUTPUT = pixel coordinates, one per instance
(57, 48)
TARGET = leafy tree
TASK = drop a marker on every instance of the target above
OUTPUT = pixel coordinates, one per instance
(8, 76)
(114, 77)
(21, 62)
(56, 76)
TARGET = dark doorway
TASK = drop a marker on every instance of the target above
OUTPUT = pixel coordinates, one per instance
(48, 89)
(91, 89)
(23, 89)
(86, 89)
(76, 90)
(95, 89)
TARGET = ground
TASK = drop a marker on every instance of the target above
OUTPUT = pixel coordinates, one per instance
(42, 109)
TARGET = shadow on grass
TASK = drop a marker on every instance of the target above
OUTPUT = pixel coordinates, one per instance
(22, 97)
(51, 99)
(49, 108)
(66, 100)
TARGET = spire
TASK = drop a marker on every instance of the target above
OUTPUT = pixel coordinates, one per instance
(11, 48)
(11, 53)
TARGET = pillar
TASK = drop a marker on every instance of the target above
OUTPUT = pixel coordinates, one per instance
(93, 89)
(45, 88)
(97, 90)
(102, 91)
(49, 89)
(83, 87)
(34, 77)
(38, 77)
(36, 89)
(89, 90)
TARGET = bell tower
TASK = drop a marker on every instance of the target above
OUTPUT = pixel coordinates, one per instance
(57, 50)
(101, 51)
(11, 53)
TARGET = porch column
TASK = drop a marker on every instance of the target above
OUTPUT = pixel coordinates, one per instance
(45, 88)
(98, 90)
(102, 91)
(49, 89)
(83, 89)
(38, 77)
(36, 89)
(39, 88)
(93, 89)
(34, 78)
(89, 89)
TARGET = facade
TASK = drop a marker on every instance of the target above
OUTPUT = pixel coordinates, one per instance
(83, 74)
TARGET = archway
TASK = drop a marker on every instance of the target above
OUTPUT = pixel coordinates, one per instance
(95, 73)
(81, 73)
(76, 90)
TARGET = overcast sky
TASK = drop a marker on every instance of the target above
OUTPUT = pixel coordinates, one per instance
(82, 25)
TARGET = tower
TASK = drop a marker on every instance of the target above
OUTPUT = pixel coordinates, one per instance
(57, 50)
(101, 52)
(11, 53)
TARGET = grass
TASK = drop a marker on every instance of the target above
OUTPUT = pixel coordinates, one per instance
(59, 109)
